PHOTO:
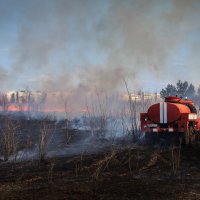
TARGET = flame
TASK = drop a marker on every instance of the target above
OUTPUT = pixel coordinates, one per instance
(15, 107)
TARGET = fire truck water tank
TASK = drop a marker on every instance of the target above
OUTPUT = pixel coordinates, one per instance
(165, 112)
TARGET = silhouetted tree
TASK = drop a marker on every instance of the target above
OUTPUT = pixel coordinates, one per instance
(4, 101)
(182, 89)
(12, 98)
(17, 97)
(170, 90)
(197, 99)
(190, 93)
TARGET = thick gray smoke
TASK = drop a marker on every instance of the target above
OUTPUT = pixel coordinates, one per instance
(83, 46)
(3, 74)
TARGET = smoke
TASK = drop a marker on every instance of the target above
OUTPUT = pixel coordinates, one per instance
(67, 45)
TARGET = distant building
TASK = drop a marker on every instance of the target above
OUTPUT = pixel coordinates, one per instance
(142, 96)
(24, 96)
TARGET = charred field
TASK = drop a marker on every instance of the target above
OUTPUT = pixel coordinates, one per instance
(48, 159)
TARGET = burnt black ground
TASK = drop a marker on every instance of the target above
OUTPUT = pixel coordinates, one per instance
(129, 173)
(106, 169)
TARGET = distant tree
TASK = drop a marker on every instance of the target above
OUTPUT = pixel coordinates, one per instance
(170, 90)
(197, 99)
(12, 98)
(182, 89)
(23, 99)
(17, 97)
(190, 93)
(4, 101)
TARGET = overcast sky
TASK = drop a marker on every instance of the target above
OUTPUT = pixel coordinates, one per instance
(82, 45)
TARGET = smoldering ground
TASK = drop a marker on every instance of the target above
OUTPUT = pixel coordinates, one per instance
(25, 138)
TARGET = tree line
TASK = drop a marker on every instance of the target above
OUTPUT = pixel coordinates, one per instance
(182, 89)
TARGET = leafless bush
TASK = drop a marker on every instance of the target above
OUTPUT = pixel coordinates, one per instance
(134, 110)
(67, 124)
(9, 139)
(175, 159)
(98, 117)
(79, 165)
(46, 133)
(133, 114)
(101, 165)
(50, 172)
(4, 101)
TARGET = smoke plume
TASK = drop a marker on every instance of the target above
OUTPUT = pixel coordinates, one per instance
(62, 45)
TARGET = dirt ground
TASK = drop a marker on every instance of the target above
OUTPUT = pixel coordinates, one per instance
(132, 172)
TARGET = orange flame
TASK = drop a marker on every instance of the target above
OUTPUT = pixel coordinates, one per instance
(14, 107)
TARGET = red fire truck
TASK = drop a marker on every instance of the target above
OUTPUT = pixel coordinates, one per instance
(173, 120)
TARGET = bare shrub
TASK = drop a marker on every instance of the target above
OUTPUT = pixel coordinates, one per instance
(133, 114)
(135, 108)
(67, 124)
(50, 172)
(175, 159)
(78, 168)
(101, 165)
(4, 101)
(46, 132)
(9, 139)
(97, 117)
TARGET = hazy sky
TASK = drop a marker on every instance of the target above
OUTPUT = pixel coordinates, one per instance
(82, 45)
